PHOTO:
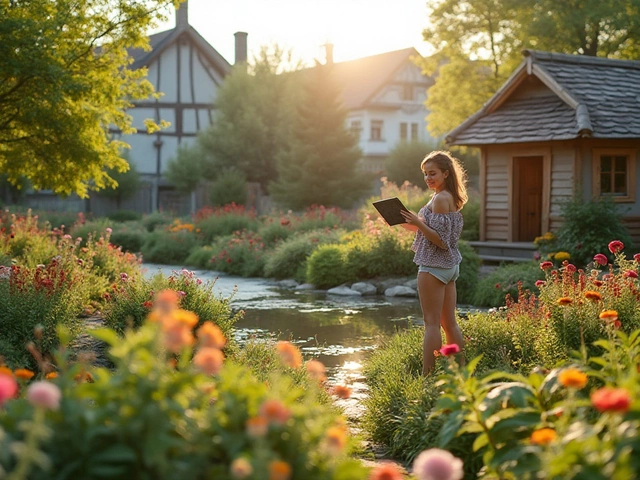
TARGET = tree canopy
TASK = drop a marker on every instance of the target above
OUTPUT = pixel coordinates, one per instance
(478, 43)
(64, 84)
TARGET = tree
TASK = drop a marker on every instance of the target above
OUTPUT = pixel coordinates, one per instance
(478, 44)
(403, 162)
(254, 118)
(64, 83)
(127, 183)
(185, 170)
(321, 165)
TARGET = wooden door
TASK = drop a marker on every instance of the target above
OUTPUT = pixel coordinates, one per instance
(528, 198)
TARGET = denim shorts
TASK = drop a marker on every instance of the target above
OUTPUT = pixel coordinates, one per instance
(445, 275)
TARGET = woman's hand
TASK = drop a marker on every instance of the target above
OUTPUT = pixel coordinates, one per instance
(411, 218)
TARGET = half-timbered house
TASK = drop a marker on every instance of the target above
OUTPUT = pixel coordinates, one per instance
(561, 124)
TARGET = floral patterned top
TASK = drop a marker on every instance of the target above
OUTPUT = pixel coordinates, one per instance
(449, 227)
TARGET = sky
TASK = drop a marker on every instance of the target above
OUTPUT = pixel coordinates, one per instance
(357, 28)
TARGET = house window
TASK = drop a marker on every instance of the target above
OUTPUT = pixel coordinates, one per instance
(614, 174)
(404, 131)
(414, 131)
(376, 130)
(407, 92)
(356, 127)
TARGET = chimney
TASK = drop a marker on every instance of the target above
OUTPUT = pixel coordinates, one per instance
(328, 48)
(241, 47)
(182, 15)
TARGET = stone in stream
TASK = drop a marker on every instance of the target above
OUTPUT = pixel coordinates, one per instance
(400, 291)
(306, 286)
(413, 283)
(345, 291)
(289, 283)
(364, 288)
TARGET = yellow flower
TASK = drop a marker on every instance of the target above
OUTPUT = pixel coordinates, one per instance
(572, 378)
(560, 256)
(543, 436)
(564, 301)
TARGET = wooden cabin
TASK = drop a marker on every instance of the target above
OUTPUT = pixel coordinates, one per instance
(560, 123)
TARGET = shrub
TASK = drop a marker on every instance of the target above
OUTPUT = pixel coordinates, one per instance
(230, 186)
(469, 273)
(218, 222)
(471, 216)
(92, 229)
(200, 257)
(585, 229)
(377, 252)
(240, 254)
(159, 415)
(327, 266)
(289, 258)
(273, 232)
(156, 219)
(21, 239)
(129, 239)
(168, 247)
(403, 163)
(504, 280)
(124, 216)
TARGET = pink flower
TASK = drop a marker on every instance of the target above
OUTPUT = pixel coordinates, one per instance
(109, 230)
(450, 349)
(45, 395)
(616, 246)
(631, 274)
(636, 257)
(570, 268)
(546, 265)
(436, 464)
(8, 388)
(601, 259)
(540, 283)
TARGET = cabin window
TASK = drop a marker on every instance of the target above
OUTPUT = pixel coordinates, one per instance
(404, 132)
(614, 174)
(407, 92)
(376, 130)
(414, 131)
(356, 127)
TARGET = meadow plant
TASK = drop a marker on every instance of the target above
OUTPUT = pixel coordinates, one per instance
(243, 254)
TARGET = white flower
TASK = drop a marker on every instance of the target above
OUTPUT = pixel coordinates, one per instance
(436, 464)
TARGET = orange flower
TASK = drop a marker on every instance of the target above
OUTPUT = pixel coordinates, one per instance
(564, 301)
(289, 354)
(336, 439)
(23, 374)
(591, 295)
(609, 399)
(543, 436)
(279, 470)
(167, 297)
(386, 471)
(51, 375)
(185, 317)
(209, 360)
(177, 335)
(609, 315)
(572, 378)
(341, 391)
(257, 427)
(6, 371)
(275, 412)
(316, 370)
(210, 335)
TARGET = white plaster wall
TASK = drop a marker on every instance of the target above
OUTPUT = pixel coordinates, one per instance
(168, 74)
(143, 154)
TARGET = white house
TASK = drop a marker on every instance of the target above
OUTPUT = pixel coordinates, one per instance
(385, 95)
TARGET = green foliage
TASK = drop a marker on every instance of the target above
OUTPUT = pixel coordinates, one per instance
(230, 186)
(289, 258)
(221, 223)
(156, 219)
(57, 136)
(242, 254)
(129, 237)
(413, 197)
(90, 229)
(403, 163)
(471, 216)
(378, 253)
(320, 167)
(185, 171)
(274, 232)
(469, 273)
(200, 257)
(327, 266)
(127, 183)
(168, 247)
(587, 228)
(504, 280)
(146, 418)
(124, 216)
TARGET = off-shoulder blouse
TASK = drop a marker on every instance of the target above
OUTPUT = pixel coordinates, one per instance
(449, 228)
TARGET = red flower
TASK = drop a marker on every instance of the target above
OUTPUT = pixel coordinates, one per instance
(570, 268)
(631, 274)
(616, 246)
(450, 349)
(540, 283)
(147, 304)
(636, 257)
(601, 259)
(546, 265)
(609, 399)
(228, 260)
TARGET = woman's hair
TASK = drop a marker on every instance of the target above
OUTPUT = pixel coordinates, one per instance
(456, 181)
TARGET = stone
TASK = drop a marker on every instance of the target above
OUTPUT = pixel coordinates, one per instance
(306, 286)
(413, 283)
(400, 291)
(289, 283)
(364, 288)
(345, 291)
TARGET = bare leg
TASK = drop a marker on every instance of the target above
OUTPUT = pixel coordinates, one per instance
(432, 293)
(448, 318)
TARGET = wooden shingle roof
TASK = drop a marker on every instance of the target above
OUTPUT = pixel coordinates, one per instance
(588, 97)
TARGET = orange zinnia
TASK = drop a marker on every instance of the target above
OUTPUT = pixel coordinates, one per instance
(609, 315)
(336, 438)
(209, 360)
(210, 335)
(289, 354)
(257, 427)
(6, 371)
(341, 391)
(572, 378)
(279, 470)
(51, 375)
(23, 374)
(386, 471)
(275, 412)
(316, 370)
(543, 436)
(591, 295)
(564, 301)
(185, 317)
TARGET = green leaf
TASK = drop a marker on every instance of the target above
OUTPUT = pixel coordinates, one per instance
(450, 428)
(481, 441)
(106, 335)
(471, 366)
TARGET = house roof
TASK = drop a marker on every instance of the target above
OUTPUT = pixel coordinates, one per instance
(588, 97)
(161, 41)
(362, 78)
